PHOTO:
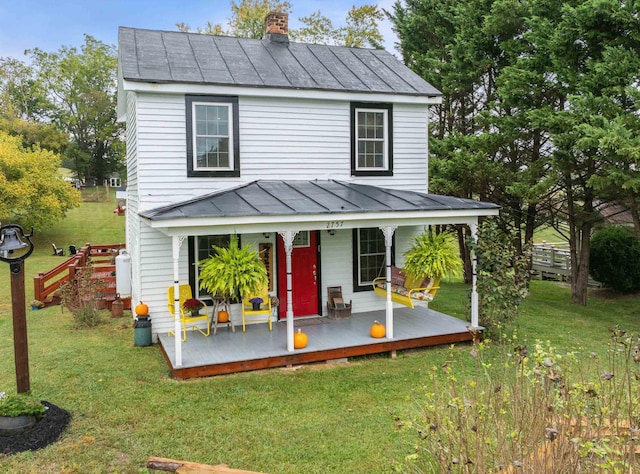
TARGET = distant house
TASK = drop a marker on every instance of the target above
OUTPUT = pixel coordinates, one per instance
(317, 153)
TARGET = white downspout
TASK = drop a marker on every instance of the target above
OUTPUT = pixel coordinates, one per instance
(388, 241)
(287, 238)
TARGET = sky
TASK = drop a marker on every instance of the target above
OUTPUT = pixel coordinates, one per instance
(50, 24)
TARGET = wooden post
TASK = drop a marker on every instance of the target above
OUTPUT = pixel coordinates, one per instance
(20, 346)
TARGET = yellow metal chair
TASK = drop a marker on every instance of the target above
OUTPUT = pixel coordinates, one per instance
(185, 293)
(265, 307)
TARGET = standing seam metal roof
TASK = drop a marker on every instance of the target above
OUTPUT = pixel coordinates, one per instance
(282, 198)
(174, 56)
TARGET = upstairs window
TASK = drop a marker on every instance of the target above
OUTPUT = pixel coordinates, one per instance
(371, 139)
(212, 136)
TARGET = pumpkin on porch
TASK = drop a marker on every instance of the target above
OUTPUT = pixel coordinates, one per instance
(223, 316)
(377, 330)
(142, 309)
(300, 340)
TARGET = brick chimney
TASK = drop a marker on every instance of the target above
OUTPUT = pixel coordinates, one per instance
(277, 27)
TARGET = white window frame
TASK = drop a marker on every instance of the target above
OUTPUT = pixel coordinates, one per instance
(194, 130)
(384, 140)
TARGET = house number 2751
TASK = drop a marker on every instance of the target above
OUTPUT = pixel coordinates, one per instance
(335, 224)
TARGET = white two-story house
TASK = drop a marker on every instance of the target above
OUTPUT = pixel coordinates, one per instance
(317, 153)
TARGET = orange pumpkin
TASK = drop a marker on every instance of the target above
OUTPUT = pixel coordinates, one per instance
(223, 317)
(300, 340)
(142, 309)
(377, 330)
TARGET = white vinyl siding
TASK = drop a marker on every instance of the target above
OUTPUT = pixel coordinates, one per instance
(279, 139)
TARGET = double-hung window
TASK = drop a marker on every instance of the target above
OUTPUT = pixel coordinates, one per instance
(369, 255)
(371, 139)
(212, 136)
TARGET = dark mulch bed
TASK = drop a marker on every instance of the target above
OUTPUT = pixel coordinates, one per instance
(43, 433)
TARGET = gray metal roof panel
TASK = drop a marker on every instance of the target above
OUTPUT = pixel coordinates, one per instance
(285, 198)
(174, 56)
(264, 64)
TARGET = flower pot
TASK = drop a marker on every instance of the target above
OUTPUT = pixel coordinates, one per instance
(11, 425)
(256, 306)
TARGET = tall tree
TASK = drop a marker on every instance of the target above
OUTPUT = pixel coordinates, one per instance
(81, 85)
(540, 107)
(247, 21)
(594, 51)
(22, 94)
(361, 28)
(317, 29)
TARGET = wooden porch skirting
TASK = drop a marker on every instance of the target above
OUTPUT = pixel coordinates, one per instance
(258, 348)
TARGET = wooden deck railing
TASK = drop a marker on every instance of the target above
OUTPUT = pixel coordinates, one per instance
(551, 259)
(102, 259)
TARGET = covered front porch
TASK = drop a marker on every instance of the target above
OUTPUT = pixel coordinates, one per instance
(329, 339)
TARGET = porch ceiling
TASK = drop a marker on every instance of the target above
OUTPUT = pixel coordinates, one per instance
(304, 204)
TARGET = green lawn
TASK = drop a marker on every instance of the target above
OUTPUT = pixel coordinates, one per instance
(316, 419)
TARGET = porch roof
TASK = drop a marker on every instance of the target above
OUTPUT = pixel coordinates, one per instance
(271, 201)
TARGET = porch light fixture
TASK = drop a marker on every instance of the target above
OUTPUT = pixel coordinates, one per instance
(266, 235)
(331, 232)
(15, 247)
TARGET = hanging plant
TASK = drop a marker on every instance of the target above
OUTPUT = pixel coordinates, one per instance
(433, 255)
(233, 272)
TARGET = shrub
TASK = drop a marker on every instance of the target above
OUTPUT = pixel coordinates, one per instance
(502, 276)
(80, 296)
(19, 405)
(615, 258)
(539, 411)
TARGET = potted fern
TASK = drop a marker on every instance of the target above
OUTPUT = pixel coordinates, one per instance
(233, 272)
(433, 256)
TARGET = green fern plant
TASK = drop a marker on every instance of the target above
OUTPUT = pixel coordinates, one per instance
(233, 272)
(433, 255)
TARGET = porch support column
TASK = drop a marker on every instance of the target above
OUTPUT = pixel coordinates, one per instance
(474, 290)
(176, 242)
(287, 238)
(388, 241)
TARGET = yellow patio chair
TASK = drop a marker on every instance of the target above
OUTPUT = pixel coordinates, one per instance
(185, 316)
(264, 307)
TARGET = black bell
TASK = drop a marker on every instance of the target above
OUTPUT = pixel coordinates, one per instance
(10, 241)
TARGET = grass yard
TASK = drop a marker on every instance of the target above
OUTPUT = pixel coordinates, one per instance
(322, 418)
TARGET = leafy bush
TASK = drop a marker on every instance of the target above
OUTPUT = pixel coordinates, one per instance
(502, 275)
(615, 258)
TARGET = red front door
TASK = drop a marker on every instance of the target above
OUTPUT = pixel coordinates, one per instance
(304, 275)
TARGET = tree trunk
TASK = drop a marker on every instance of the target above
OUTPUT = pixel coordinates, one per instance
(580, 225)
(463, 235)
